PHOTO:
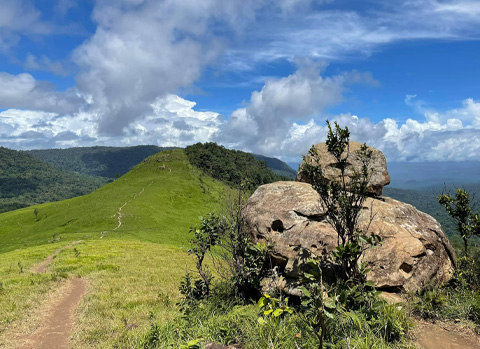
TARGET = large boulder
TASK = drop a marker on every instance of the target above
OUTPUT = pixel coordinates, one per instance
(414, 253)
(378, 165)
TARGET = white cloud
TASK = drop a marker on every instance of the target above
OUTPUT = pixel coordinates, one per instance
(262, 126)
(20, 17)
(172, 121)
(23, 91)
(147, 49)
(345, 33)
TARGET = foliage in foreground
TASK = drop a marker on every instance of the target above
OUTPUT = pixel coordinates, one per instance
(459, 300)
(224, 320)
(339, 313)
(459, 207)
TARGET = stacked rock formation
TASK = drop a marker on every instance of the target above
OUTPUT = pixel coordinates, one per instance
(414, 252)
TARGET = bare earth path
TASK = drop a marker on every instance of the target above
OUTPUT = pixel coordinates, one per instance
(57, 324)
(52, 325)
(42, 268)
(435, 336)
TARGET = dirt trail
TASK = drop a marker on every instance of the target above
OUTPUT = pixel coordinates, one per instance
(435, 336)
(52, 324)
(57, 323)
(119, 212)
(42, 268)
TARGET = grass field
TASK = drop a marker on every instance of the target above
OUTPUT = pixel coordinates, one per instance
(133, 264)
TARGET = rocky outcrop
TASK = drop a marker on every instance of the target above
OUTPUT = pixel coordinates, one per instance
(414, 252)
(378, 165)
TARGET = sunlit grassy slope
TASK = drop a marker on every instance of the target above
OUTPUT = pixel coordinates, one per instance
(161, 197)
(133, 269)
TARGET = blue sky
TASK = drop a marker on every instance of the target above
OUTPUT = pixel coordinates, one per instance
(261, 76)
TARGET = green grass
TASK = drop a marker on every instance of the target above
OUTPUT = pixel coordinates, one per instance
(133, 272)
(170, 203)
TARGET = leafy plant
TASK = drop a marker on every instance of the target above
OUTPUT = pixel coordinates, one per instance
(193, 344)
(343, 199)
(460, 209)
(205, 237)
(273, 308)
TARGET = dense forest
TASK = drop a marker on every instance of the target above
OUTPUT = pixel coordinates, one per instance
(230, 166)
(25, 181)
(107, 162)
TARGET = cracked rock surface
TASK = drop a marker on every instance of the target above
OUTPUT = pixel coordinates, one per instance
(414, 253)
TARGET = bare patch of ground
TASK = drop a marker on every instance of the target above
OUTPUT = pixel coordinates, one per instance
(52, 324)
(442, 335)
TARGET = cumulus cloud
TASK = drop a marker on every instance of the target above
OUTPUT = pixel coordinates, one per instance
(143, 50)
(20, 17)
(172, 121)
(262, 126)
(23, 91)
(287, 116)
(454, 135)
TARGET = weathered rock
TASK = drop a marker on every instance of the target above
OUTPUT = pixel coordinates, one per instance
(378, 164)
(414, 252)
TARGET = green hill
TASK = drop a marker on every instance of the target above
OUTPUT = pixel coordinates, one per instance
(171, 195)
(230, 166)
(25, 181)
(107, 162)
(112, 161)
(132, 232)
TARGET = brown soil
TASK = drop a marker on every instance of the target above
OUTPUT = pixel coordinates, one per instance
(52, 325)
(56, 324)
(445, 336)
(42, 268)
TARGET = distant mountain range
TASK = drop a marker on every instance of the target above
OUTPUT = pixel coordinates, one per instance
(38, 176)
(112, 162)
(109, 162)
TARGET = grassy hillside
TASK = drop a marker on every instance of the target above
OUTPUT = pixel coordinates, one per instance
(160, 198)
(133, 268)
(97, 161)
(25, 181)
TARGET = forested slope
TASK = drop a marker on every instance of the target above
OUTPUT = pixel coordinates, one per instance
(25, 181)
(108, 162)
(230, 166)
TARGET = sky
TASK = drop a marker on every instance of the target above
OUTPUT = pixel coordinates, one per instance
(257, 75)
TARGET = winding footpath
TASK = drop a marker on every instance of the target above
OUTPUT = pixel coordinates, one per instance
(55, 322)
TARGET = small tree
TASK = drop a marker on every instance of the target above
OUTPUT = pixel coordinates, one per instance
(343, 199)
(460, 209)
(231, 251)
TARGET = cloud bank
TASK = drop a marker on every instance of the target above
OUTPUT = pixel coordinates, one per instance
(145, 53)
